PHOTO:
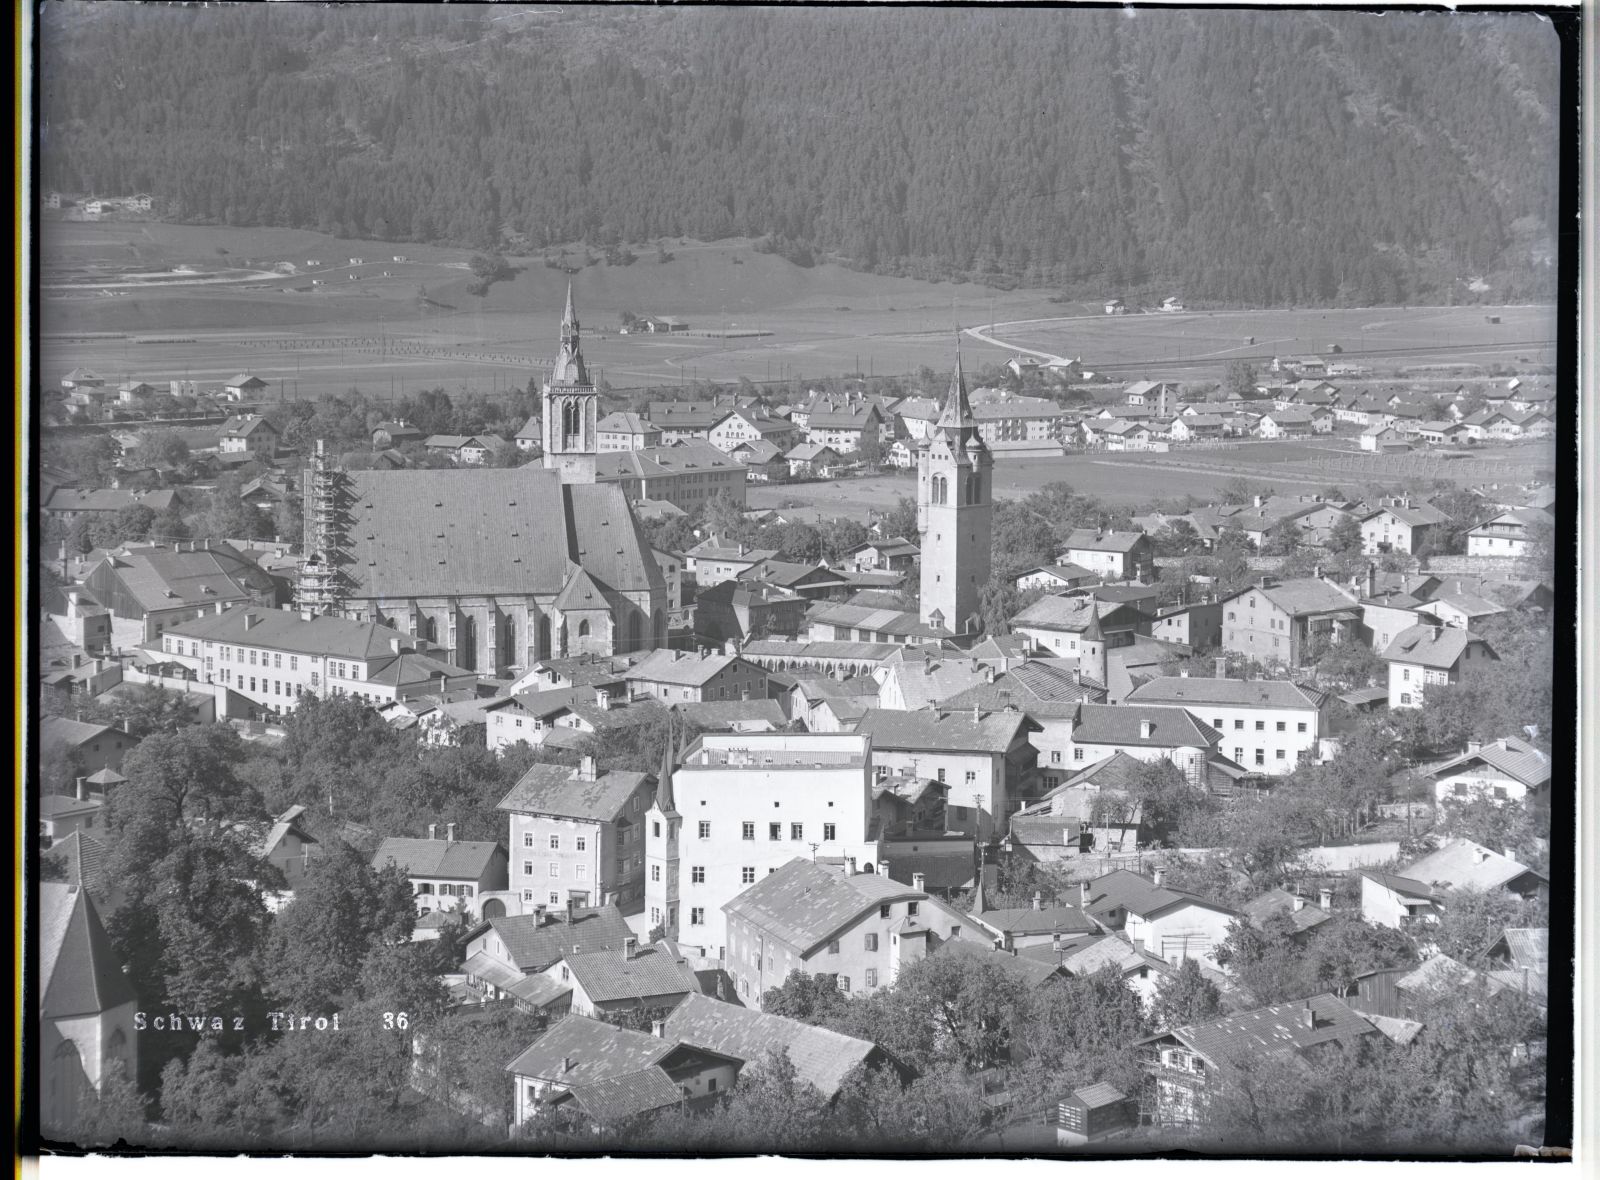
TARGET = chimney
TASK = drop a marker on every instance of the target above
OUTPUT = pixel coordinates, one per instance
(566, 1064)
(1183, 672)
(587, 768)
(1258, 501)
(122, 724)
(1299, 903)
(1077, 675)
(1372, 579)
(1438, 631)
(249, 620)
(918, 882)
(1474, 745)
(450, 833)
(851, 861)
(1222, 667)
(658, 1029)
(1325, 900)
(1480, 855)
(630, 948)
(1083, 895)
(1159, 876)
(572, 909)
(1146, 728)
(443, 680)
(433, 831)
(1316, 571)
(1308, 1015)
(82, 792)
(394, 645)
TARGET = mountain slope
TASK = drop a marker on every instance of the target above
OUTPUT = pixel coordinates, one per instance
(1246, 157)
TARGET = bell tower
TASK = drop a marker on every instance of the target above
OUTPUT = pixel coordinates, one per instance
(571, 408)
(955, 507)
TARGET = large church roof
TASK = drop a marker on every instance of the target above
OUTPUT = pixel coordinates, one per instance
(496, 531)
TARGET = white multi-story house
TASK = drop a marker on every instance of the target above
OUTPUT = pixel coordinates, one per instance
(1400, 526)
(674, 677)
(1510, 534)
(1150, 733)
(1424, 655)
(1507, 770)
(1278, 719)
(741, 806)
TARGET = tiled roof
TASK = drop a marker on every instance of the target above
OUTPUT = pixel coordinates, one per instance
(715, 715)
(688, 415)
(160, 578)
(653, 971)
(79, 974)
(1107, 950)
(1121, 889)
(320, 635)
(621, 422)
(926, 681)
(1057, 613)
(1429, 646)
(1277, 903)
(1066, 919)
(1301, 596)
(558, 790)
(596, 1050)
(1275, 1029)
(1122, 725)
(534, 945)
(667, 666)
(82, 859)
(654, 462)
(1462, 864)
(1205, 690)
(1404, 886)
(820, 1056)
(803, 904)
(1441, 975)
(1099, 1094)
(242, 426)
(490, 531)
(65, 499)
(1513, 756)
(608, 1100)
(459, 860)
(1104, 540)
(1528, 946)
(1420, 513)
(56, 806)
(928, 729)
(68, 731)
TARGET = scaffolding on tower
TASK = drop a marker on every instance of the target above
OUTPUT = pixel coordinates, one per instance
(326, 496)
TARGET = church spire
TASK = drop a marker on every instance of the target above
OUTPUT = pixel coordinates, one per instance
(664, 799)
(957, 410)
(569, 367)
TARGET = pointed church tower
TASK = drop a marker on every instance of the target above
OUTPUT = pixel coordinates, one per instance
(662, 822)
(954, 509)
(571, 408)
(1092, 658)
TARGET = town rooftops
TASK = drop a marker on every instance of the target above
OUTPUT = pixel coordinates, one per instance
(1206, 690)
(535, 942)
(1430, 646)
(285, 630)
(715, 548)
(820, 1056)
(1526, 946)
(1038, 689)
(1462, 864)
(609, 1100)
(1124, 890)
(1142, 725)
(79, 973)
(580, 1050)
(959, 732)
(1278, 1028)
(1032, 971)
(243, 426)
(64, 499)
(1414, 514)
(1300, 596)
(459, 860)
(654, 462)
(1062, 919)
(669, 666)
(778, 751)
(69, 732)
(1054, 612)
(874, 620)
(1104, 540)
(1512, 756)
(563, 791)
(1279, 903)
(622, 422)
(714, 715)
(650, 971)
(160, 577)
(803, 904)
(81, 858)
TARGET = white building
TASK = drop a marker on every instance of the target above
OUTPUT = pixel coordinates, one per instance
(1424, 655)
(741, 806)
(1506, 770)
(1282, 719)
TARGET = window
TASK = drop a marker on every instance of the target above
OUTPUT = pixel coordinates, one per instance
(1300, 727)
(972, 776)
(655, 872)
(774, 831)
(294, 663)
(844, 983)
(705, 829)
(555, 898)
(1216, 723)
(583, 843)
(872, 942)
(527, 868)
(1282, 725)
(555, 843)
(583, 871)
(833, 947)
(1238, 753)
(1279, 754)
(697, 916)
(941, 774)
(1405, 673)
(277, 660)
(1260, 725)
(747, 875)
(555, 869)
(252, 656)
(872, 977)
(1055, 756)
(1405, 698)
(797, 831)
(748, 831)
(697, 874)
(1232, 617)
(1077, 753)
(828, 831)
(1238, 723)
(885, 910)
(656, 826)
(1261, 757)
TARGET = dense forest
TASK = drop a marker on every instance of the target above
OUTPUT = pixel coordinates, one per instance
(1259, 158)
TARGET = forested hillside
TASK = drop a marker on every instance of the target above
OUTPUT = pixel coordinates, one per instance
(1253, 158)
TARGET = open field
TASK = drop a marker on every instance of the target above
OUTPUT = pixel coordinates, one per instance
(822, 320)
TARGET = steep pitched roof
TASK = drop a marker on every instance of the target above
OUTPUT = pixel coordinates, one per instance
(596, 1051)
(515, 531)
(461, 860)
(928, 729)
(1301, 596)
(82, 858)
(1031, 971)
(1513, 756)
(803, 904)
(70, 732)
(1057, 613)
(1279, 903)
(1122, 725)
(1430, 646)
(652, 971)
(666, 666)
(559, 790)
(1278, 1028)
(1121, 889)
(1462, 864)
(321, 635)
(535, 943)
(161, 578)
(820, 1056)
(1205, 690)
(623, 1096)
(79, 974)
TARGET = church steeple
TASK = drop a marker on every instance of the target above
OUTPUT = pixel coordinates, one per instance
(956, 412)
(664, 799)
(571, 408)
(954, 512)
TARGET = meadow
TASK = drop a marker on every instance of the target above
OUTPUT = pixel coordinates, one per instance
(824, 320)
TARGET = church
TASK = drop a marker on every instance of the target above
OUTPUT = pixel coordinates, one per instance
(955, 513)
(502, 567)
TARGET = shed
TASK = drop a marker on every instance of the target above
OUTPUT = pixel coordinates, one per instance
(1095, 1112)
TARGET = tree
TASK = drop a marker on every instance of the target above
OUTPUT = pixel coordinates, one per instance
(1344, 538)
(814, 999)
(166, 448)
(1470, 920)
(1283, 540)
(901, 521)
(1239, 377)
(1185, 997)
(839, 537)
(144, 708)
(641, 746)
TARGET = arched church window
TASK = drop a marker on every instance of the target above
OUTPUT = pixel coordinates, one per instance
(583, 629)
